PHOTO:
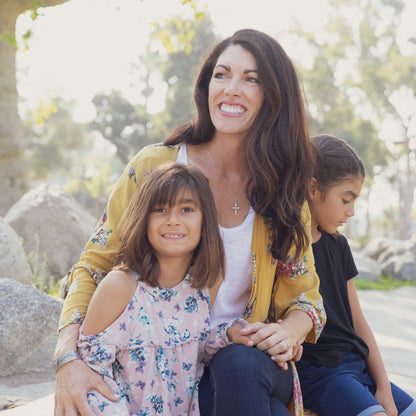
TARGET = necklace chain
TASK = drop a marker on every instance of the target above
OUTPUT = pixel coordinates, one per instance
(235, 207)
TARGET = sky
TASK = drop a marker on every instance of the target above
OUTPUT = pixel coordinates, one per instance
(85, 46)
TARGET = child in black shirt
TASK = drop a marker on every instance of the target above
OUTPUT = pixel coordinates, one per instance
(343, 374)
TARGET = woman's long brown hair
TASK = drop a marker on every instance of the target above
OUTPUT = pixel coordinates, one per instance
(279, 151)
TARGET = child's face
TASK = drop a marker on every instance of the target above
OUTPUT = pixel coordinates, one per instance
(332, 208)
(175, 231)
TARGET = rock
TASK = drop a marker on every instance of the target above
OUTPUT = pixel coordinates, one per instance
(401, 266)
(375, 247)
(368, 269)
(61, 225)
(28, 328)
(13, 260)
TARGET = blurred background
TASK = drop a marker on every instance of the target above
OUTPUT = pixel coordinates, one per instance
(84, 84)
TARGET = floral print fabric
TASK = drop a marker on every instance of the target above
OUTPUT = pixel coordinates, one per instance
(152, 355)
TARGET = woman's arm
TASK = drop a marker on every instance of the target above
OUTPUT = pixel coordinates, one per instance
(374, 359)
(75, 379)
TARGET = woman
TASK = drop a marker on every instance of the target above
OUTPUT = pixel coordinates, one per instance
(249, 138)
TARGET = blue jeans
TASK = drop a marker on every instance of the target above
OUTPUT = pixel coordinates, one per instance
(346, 390)
(244, 381)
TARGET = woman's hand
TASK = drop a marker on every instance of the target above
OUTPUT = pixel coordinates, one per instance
(73, 381)
(274, 339)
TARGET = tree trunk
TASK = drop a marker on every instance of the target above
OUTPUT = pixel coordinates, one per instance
(13, 180)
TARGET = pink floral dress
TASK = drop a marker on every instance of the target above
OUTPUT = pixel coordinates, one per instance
(154, 353)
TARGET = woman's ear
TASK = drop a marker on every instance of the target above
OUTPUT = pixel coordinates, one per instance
(313, 188)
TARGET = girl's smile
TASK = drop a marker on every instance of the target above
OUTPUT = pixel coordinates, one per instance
(175, 231)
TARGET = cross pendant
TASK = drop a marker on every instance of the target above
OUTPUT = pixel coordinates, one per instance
(235, 207)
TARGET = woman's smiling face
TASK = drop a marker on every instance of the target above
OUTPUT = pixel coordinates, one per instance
(235, 93)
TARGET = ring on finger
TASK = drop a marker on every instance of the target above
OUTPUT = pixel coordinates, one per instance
(287, 343)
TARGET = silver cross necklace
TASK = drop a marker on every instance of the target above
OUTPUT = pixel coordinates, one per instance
(235, 207)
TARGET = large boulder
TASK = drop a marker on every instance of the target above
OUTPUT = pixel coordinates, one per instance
(60, 224)
(13, 260)
(28, 328)
(399, 260)
(377, 246)
(368, 269)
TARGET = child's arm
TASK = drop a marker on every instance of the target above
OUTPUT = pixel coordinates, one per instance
(374, 360)
(221, 336)
(109, 301)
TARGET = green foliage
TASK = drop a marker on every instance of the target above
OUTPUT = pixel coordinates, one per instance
(41, 277)
(185, 43)
(121, 123)
(52, 139)
(386, 283)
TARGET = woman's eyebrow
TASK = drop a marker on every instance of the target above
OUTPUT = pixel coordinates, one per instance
(228, 68)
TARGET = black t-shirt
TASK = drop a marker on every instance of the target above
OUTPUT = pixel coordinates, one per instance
(335, 266)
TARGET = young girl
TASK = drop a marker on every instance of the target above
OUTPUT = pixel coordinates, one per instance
(146, 331)
(343, 374)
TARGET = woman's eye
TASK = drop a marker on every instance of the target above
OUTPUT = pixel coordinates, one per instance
(253, 80)
(345, 201)
(219, 75)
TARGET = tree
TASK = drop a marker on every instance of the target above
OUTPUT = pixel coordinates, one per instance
(53, 140)
(185, 42)
(121, 123)
(388, 80)
(13, 180)
(358, 79)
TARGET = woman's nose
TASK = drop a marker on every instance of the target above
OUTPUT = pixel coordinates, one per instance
(233, 88)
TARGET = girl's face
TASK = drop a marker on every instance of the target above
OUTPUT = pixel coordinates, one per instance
(332, 208)
(175, 231)
(235, 93)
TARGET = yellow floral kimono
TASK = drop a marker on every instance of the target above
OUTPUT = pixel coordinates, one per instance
(278, 287)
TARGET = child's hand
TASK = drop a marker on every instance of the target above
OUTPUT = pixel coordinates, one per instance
(234, 335)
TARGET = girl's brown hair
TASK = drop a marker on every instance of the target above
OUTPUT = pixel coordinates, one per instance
(279, 151)
(336, 162)
(162, 187)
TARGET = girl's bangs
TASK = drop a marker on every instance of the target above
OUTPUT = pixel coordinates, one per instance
(170, 190)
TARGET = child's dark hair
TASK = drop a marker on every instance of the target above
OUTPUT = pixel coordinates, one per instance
(336, 162)
(162, 187)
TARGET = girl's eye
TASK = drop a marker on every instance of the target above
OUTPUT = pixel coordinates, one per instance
(345, 201)
(159, 209)
(188, 209)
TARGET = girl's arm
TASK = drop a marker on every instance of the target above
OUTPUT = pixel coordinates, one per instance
(75, 379)
(374, 359)
(221, 336)
(109, 301)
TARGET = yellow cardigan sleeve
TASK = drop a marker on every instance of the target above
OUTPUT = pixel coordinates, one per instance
(279, 287)
(98, 255)
(297, 286)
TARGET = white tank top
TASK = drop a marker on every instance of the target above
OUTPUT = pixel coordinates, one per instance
(234, 293)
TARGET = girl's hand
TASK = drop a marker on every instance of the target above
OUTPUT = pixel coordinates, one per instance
(234, 335)
(73, 381)
(385, 398)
